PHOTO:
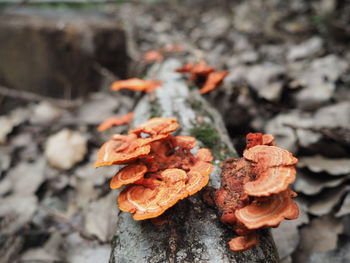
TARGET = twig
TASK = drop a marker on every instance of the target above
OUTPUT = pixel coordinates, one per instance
(29, 96)
(104, 72)
(339, 134)
(59, 217)
(10, 248)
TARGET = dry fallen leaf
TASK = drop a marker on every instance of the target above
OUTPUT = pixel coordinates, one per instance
(6, 126)
(16, 211)
(319, 164)
(339, 255)
(101, 217)
(83, 251)
(97, 176)
(25, 178)
(308, 48)
(320, 235)
(286, 236)
(45, 112)
(5, 160)
(333, 116)
(302, 126)
(265, 80)
(318, 79)
(345, 208)
(327, 200)
(84, 193)
(312, 184)
(49, 252)
(65, 148)
(284, 136)
(10, 121)
(97, 107)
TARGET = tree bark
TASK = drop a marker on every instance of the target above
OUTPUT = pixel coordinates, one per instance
(195, 233)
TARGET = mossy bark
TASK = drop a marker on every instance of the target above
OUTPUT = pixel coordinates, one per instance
(194, 232)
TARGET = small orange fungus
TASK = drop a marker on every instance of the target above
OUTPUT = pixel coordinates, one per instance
(115, 121)
(173, 48)
(202, 72)
(120, 151)
(186, 68)
(271, 181)
(242, 243)
(269, 155)
(128, 175)
(158, 55)
(136, 84)
(201, 68)
(153, 56)
(157, 126)
(213, 80)
(254, 139)
(269, 211)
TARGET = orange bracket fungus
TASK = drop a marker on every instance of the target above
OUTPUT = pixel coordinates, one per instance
(201, 68)
(213, 80)
(153, 56)
(115, 121)
(159, 170)
(254, 190)
(136, 84)
(158, 55)
(201, 71)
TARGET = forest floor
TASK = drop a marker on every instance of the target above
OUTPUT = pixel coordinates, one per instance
(289, 76)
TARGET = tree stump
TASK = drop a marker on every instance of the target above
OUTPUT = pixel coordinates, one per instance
(58, 54)
(194, 232)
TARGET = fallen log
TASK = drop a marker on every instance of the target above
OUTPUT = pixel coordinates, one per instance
(194, 232)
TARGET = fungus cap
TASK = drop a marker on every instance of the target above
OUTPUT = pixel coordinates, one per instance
(186, 142)
(150, 140)
(141, 201)
(174, 175)
(119, 152)
(196, 181)
(146, 203)
(268, 139)
(242, 243)
(153, 56)
(198, 176)
(204, 168)
(254, 139)
(185, 68)
(201, 68)
(203, 154)
(158, 125)
(271, 181)
(269, 156)
(136, 84)
(269, 211)
(115, 121)
(213, 80)
(128, 175)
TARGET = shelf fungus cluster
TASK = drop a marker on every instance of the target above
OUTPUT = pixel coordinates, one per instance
(254, 190)
(160, 168)
(201, 71)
